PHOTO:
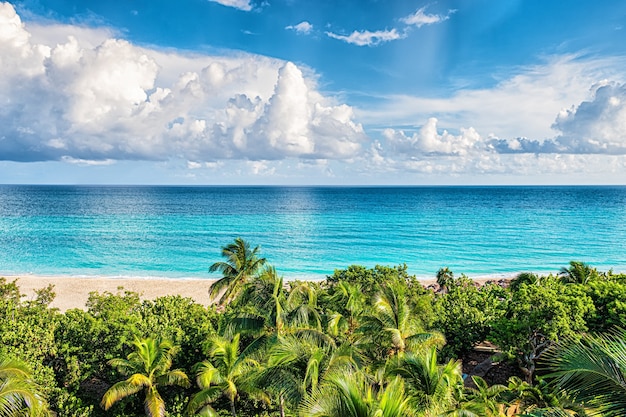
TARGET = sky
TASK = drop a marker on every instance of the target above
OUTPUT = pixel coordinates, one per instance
(294, 92)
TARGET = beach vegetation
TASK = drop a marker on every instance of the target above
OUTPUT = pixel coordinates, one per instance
(20, 395)
(366, 341)
(592, 370)
(226, 372)
(578, 273)
(240, 265)
(148, 369)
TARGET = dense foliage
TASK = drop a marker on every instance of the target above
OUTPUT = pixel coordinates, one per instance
(364, 342)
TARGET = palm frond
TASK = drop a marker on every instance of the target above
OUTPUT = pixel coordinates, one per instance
(119, 391)
(203, 398)
(592, 370)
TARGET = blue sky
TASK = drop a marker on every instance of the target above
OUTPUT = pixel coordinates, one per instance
(325, 92)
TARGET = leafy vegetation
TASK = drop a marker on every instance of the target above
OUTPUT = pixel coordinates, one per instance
(364, 342)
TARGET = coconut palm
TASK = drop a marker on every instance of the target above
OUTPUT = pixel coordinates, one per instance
(148, 367)
(392, 326)
(240, 266)
(578, 273)
(351, 301)
(592, 371)
(488, 401)
(297, 366)
(540, 399)
(303, 310)
(270, 313)
(226, 373)
(432, 387)
(351, 395)
(527, 278)
(19, 394)
(445, 278)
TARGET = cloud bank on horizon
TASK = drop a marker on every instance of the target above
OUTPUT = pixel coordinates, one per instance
(83, 95)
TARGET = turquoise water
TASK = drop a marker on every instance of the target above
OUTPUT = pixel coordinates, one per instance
(307, 232)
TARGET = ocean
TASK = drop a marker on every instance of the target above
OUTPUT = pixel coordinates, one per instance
(308, 232)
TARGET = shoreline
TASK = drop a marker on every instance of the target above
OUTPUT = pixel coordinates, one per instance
(73, 291)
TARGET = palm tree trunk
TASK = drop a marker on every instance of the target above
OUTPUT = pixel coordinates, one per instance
(232, 408)
(281, 405)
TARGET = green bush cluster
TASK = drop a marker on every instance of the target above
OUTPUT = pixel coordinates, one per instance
(375, 337)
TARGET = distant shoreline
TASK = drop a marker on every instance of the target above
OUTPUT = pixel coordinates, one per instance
(73, 292)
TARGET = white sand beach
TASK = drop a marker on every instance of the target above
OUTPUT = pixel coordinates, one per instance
(73, 292)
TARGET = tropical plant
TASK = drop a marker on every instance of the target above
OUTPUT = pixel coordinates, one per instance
(351, 395)
(485, 400)
(578, 273)
(466, 313)
(19, 393)
(227, 373)
(349, 301)
(445, 278)
(391, 326)
(297, 366)
(148, 367)
(432, 387)
(592, 370)
(540, 399)
(538, 316)
(240, 266)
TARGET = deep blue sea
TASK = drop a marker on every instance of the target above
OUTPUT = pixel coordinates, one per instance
(308, 232)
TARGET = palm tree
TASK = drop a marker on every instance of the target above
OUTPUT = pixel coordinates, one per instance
(592, 371)
(149, 369)
(19, 394)
(297, 366)
(445, 278)
(225, 373)
(486, 400)
(540, 400)
(351, 299)
(391, 325)
(351, 395)
(432, 386)
(240, 266)
(527, 278)
(578, 273)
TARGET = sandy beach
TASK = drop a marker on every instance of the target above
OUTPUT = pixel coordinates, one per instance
(73, 292)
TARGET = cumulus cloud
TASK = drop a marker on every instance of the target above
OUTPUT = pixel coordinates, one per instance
(596, 126)
(523, 103)
(421, 18)
(302, 27)
(237, 4)
(367, 38)
(429, 142)
(116, 101)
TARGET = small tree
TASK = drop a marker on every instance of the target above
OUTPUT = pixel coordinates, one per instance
(149, 369)
(240, 266)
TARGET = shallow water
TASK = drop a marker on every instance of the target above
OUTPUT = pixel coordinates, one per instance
(307, 232)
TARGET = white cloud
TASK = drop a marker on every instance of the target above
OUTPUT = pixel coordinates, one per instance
(117, 101)
(427, 141)
(421, 18)
(367, 38)
(302, 27)
(596, 126)
(523, 104)
(237, 4)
